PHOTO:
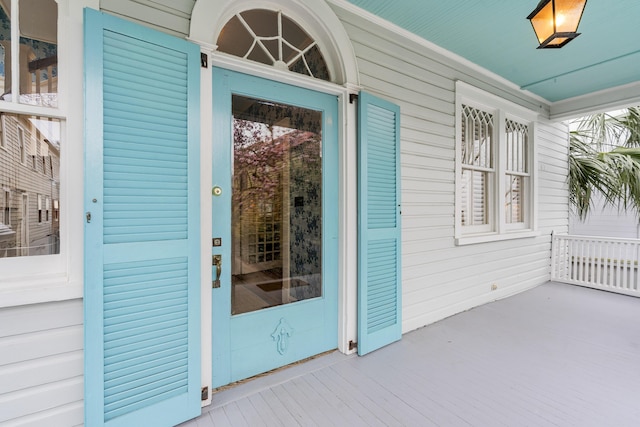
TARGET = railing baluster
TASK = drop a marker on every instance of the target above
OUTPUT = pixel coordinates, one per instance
(572, 261)
(599, 278)
(562, 252)
(566, 259)
(50, 79)
(38, 78)
(631, 249)
(554, 261)
(636, 267)
(608, 281)
(582, 261)
(590, 258)
(616, 261)
(625, 267)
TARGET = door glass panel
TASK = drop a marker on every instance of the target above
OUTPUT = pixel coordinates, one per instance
(276, 204)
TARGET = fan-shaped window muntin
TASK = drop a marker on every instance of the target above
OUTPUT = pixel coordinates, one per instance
(271, 38)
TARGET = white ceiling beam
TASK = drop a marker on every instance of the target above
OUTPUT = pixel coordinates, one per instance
(596, 102)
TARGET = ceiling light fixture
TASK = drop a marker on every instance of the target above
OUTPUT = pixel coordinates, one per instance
(556, 22)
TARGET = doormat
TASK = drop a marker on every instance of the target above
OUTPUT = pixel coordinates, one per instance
(271, 286)
(276, 285)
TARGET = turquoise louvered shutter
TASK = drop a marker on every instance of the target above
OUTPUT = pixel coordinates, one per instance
(142, 304)
(379, 293)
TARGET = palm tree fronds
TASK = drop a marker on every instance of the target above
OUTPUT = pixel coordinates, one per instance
(604, 159)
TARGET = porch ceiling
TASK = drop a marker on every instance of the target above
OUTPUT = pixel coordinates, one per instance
(495, 35)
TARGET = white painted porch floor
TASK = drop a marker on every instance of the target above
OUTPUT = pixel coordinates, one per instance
(557, 355)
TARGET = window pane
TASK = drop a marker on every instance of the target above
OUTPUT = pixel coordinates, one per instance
(264, 23)
(517, 146)
(39, 52)
(317, 64)
(235, 39)
(28, 227)
(5, 216)
(474, 198)
(477, 134)
(513, 201)
(295, 35)
(5, 51)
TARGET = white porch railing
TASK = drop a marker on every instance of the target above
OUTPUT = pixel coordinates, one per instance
(597, 262)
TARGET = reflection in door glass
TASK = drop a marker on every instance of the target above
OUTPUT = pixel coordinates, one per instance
(29, 185)
(276, 204)
(39, 52)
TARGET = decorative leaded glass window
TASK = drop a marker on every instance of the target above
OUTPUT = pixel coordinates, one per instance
(495, 168)
(271, 38)
(517, 171)
(477, 165)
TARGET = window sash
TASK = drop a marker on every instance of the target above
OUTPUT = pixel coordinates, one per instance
(515, 199)
(517, 146)
(3, 139)
(6, 208)
(477, 138)
(476, 200)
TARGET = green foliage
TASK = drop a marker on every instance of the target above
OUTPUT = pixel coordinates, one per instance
(604, 159)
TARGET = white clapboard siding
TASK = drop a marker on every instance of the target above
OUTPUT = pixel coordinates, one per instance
(440, 278)
(41, 369)
(169, 16)
(605, 221)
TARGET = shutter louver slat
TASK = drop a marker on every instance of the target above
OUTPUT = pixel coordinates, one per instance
(381, 175)
(382, 302)
(143, 158)
(121, 390)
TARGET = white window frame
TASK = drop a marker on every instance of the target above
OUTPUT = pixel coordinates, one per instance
(22, 146)
(5, 215)
(3, 138)
(38, 279)
(39, 209)
(498, 228)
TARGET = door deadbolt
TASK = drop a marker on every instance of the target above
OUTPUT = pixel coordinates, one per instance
(216, 191)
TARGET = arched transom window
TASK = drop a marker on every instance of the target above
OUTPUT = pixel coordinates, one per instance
(271, 38)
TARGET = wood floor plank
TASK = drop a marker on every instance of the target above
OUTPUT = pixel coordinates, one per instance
(381, 396)
(282, 413)
(309, 400)
(359, 405)
(266, 414)
(205, 421)
(235, 416)
(219, 418)
(338, 412)
(554, 356)
(300, 413)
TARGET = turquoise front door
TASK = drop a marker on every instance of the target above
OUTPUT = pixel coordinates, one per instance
(275, 224)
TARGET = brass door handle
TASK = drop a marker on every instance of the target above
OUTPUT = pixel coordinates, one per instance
(217, 261)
